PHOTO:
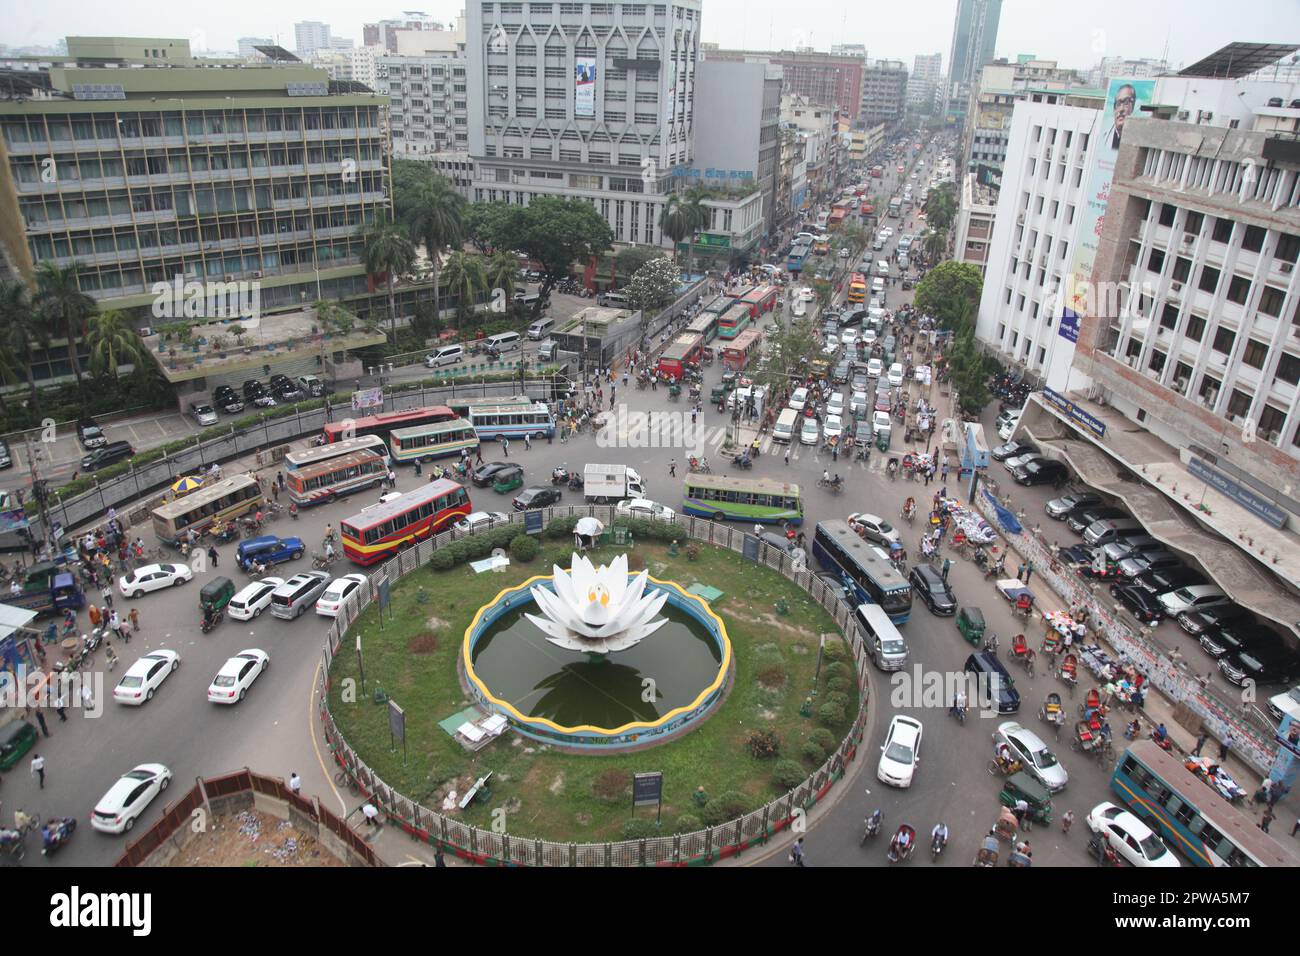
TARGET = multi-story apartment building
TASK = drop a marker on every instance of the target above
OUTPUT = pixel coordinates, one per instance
(385, 33)
(429, 110)
(833, 79)
(310, 36)
(973, 227)
(594, 101)
(974, 37)
(1111, 66)
(884, 93)
(924, 82)
(142, 166)
(815, 129)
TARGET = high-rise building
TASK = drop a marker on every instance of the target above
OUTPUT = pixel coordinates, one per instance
(832, 79)
(923, 82)
(384, 33)
(974, 37)
(593, 101)
(884, 93)
(310, 36)
(429, 112)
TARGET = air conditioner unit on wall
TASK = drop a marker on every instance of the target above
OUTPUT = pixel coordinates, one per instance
(1286, 267)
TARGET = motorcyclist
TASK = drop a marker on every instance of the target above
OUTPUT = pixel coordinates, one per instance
(54, 832)
(23, 821)
(872, 822)
(208, 616)
(958, 708)
(939, 835)
(329, 551)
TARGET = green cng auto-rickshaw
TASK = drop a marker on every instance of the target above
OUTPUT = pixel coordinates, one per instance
(970, 621)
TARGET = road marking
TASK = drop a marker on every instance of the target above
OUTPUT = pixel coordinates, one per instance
(315, 745)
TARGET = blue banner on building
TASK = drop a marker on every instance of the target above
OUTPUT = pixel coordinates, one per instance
(1068, 328)
(1248, 498)
(1076, 414)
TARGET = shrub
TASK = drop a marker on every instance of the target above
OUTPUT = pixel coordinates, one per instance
(812, 752)
(692, 552)
(724, 807)
(764, 744)
(831, 715)
(524, 548)
(838, 669)
(837, 685)
(787, 774)
(687, 823)
(442, 560)
(838, 699)
(561, 528)
(835, 651)
(642, 829)
(824, 739)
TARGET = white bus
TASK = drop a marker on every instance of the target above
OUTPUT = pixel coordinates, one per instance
(315, 456)
(512, 421)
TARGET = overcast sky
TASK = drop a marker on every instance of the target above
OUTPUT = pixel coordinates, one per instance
(1075, 33)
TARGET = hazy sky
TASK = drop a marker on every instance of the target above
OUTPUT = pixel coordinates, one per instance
(1075, 33)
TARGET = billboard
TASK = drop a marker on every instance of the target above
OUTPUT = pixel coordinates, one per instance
(584, 86)
(367, 398)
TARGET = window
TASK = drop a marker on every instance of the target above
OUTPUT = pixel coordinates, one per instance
(1167, 214)
(1270, 301)
(1288, 248)
(1209, 389)
(1195, 328)
(1182, 376)
(1209, 279)
(1222, 230)
(1288, 369)
(1238, 289)
(1156, 262)
(1271, 421)
(1193, 223)
(1239, 403)
(1224, 340)
(1182, 269)
(1169, 317)
(1253, 240)
(1255, 354)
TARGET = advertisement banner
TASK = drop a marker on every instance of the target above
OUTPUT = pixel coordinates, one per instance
(367, 398)
(584, 86)
(1123, 99)
(11, 521)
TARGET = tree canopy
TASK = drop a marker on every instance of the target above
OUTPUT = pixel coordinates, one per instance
(553, 232)
(944, 289)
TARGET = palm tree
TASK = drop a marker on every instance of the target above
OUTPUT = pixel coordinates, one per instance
(466, 277)
(64, 306)
(676, 221)
(388, 250)
(698, 215)
(499, 271)
(113, 340)
(936, 243)
(437, 218)
(20, 330)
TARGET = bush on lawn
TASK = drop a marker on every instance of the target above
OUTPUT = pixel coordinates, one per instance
(524, 548)
(724, 807)
(787, 774)
(831, 715)
(764, 744)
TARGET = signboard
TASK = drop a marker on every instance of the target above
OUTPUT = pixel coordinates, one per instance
(383, 593)
(533, 522)
(367, 398)
(1076, 414)
(708, 240)
(1248, 498)
(1069, 326)
(642, 66)
(396, 721)
(584, 86)
(647, 789)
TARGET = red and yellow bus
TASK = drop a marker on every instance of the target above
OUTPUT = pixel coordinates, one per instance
(734, 321)
(761, 299)
(380, 531)
(336, 477)
(737, 353)
(686, 349)
(837, 217)
(858, 288)
(384, 423)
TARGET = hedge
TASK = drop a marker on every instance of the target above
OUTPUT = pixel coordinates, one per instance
(474, 548)
(787, 774)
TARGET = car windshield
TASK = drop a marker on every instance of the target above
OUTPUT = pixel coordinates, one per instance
(1044, 759)
(1182, 594)
(899, 753)
(1153, 848)
(894, 647)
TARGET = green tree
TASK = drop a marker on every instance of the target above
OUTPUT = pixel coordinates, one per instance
(500, 271)
(436, 217)
(791, 348)
(21, 329)
(935, 244)
(630, 259)
(113, 340)
(968, 370)
(466, 278)
(482, 226)
(941, 206)
(388, 251)
(676, 221)
(653, 286)
(331, 315)
(944, 289)
(63, 306)
(408, 176)
(555, 233)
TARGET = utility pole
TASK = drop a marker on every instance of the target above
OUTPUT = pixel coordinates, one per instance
(39, 489)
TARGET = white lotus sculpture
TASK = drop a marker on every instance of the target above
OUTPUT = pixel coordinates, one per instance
(597, 610)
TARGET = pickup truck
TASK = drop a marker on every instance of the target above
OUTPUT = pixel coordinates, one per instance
(48, 594)
(603, 484)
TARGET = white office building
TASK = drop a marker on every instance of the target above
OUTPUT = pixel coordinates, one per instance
(429, 107)
(310, 36)
(583, 100)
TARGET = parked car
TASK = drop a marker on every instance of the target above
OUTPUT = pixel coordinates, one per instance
(145, 676)
(237, 675)
(255, 394)
(1080, 517)
(1041, 471)
(929, 585)
(225, 398)
(203, 413)
(1192, 598)
(152, 577)
(1212, 619)
(1130, 547)
(1059, 508)
(1134, 565)
(118, 809)
(1144, 605)
(901, 752)
(536, 497)
(1013, 448)
(1027, 747)
(285, 389)
(1015, 461)
(1129, 837)
(1267, 663)
(1241, 635)
(1171, 579)
(6, 459)
(90, 434)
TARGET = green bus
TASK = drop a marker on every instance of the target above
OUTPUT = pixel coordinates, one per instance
(742, 499)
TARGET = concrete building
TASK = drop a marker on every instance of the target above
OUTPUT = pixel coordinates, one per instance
(835, 80)
(815, 128)
(592, 101)
(385, 32)
(429, 111)
(248, 47)
(1111, 66)
(973, 227)
(974, 37)
(310, 36)
(884, 93)
(925, 82)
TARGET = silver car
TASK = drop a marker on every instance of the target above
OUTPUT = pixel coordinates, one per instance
(1033, 755)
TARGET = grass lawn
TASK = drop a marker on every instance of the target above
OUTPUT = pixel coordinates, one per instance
(566, 796)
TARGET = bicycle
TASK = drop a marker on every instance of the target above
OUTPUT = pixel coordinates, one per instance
(343, 779)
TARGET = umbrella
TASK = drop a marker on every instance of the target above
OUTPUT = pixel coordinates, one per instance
(588, 527)
(184, 486)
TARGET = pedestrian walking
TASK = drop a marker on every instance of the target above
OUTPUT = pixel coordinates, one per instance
(1067, 821)
(124, 632)
(212, 556)
(87, 697)
(95, 616)
(479, 453)
(505, 447)
(295, 784)
(40, 719)
(438, 858)
(107, 594)
(275, 490)
(787, 454)
(1020, 571)
(1225, 746)
(38, 769)
(1201, 738)
(796, 853)
(135, 619)
(528, 443)
(1267, 818)
(672, 468)
(113, 621)
(61, 705)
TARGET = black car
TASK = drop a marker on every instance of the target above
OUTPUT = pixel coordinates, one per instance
(836, 586)
(930, 586)
(537, 496)
(284, 388)
(225, 398)
(1244, 634)
(1137, 564)
(1144, 605)
(1079, 518)
(1200, 623)
(485, 474)
(841, 374)
(770, 538)
(1012, 448)
(1058, 508)
(6, 459)
(1041, 471)
(1269, 664)
(1077, 557)
(1170, 579)
(91, 435)
(255, 393)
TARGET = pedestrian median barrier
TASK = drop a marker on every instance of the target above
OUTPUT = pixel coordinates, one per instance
(701, 847)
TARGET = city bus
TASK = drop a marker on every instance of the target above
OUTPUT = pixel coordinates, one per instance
(734, 321)
(742, 499)
(705, 325)
(895, 207)
(385, 422)
(686, 349)
(858, 288)
(837, 217)
(737, 353)
(864, 570)
(1191, 817)
(798, 255)
(382, 530)
(512, 421)
(460, 407)
(761, 299)
(321, 453)
(221, 500)
(432, 441)
(335, 477)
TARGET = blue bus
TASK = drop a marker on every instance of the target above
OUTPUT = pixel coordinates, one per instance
(512, 420)
(865, 570)
(1190, 815)
(798, 254)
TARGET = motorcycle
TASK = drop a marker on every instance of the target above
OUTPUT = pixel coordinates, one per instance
(958, 710)
(994, 569)
(293, 510)
(834, 484)
(211, 621)
(937, 842)
(559, 476)
(575, 482)
(742, 461)
(56, 833)
(322, 562)
(1164, 743)
(870, 827)
(991, 643)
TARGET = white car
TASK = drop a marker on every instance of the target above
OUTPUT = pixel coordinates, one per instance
(849, 338)
(1194, 597)
(152, 577)
(807, 294)
(895, 375)
(253, 599)
(645, 508)
(808, 434)
(833, 427)
(336, 595)
(844, 253)
(145, 676)
(874, 528)
(886, 232)
(1130, 837)
(875, 367)
(800, 308)
(202, 413)
(859, 404)
(237, 675)
(117, 810)
(1008, 428)
(832, 345)
(835, 404)
(798, 399)
(868, 338)
(900, 754)
(480, 519)
(1029, 749)
(1016, 460)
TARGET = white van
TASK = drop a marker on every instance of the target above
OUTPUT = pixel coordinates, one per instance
(445, 355)
(882, 267)
(502, 341)
(783, 430)
(537, 331)
(886, 646)
(615, 299)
